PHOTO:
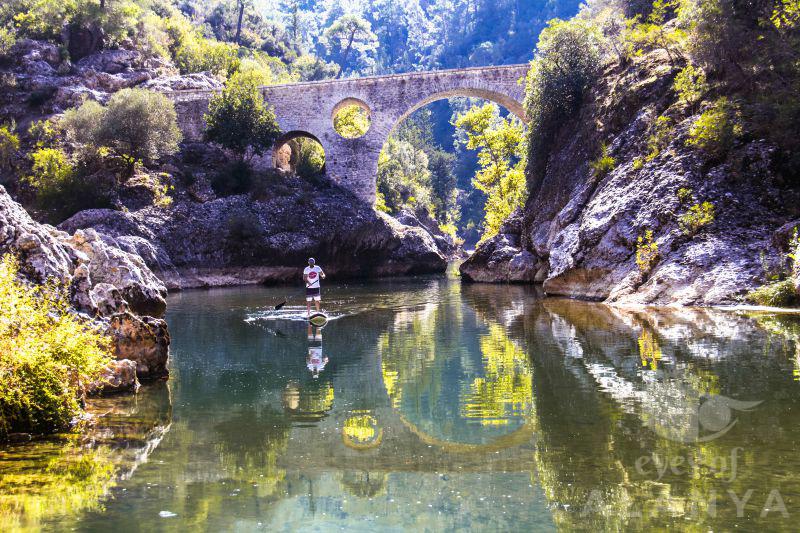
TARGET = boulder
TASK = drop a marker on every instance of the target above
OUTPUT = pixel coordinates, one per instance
(111, 61)
(501, 259)
(144, 340)
(107, 299)
(118, 376)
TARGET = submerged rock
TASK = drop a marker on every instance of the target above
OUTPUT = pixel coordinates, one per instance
(118, 376)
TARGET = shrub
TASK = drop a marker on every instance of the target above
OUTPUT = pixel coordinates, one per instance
(716, 129)
(380, 203)
(137, 124)
(690, 84)
(659, 138)
(638, 163)
(646, 252)
(238, 118)
(351, 121)
(49, 355)
(236, 178)
(604, 163)
(9, 144)
(697, 217)
(652, 33)
(7, 40)
(685, 195)
(192, 52)
(775, 294)
(60, 189)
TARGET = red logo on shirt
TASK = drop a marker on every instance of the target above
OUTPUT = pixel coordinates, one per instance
(312, 275)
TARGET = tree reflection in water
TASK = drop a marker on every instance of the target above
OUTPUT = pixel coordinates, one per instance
(445, 407)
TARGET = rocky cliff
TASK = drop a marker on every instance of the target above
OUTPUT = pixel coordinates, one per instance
(107, 285)
(579, 229)
(203, 240)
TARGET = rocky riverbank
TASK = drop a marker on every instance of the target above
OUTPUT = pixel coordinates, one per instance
(110, 287)
(578, 234)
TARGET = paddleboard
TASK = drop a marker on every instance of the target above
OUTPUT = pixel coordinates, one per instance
(318, 319)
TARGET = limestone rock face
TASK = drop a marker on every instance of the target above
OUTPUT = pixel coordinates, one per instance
(581, 228)
(127, 272)
(46, 83)
(246, 239)
(204, 81)
(143, 340)
(103, 281)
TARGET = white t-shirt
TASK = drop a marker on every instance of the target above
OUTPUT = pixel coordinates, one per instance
(313, 274)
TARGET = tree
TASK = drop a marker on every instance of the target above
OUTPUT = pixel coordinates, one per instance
(137, 124)
(567, 60)
(346, 33)
(501, 150)
(239, 119)
(240, 5)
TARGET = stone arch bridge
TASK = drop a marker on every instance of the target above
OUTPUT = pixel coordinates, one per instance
(307, 109)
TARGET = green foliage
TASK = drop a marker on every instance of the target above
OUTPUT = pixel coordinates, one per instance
(659, 138)
(310, 158)
(49, 355)
(9, 144)
(194, 53)
(775, 294)
(404, 179)
(716, 129)
(501, 161)
(786, 15)
(238, 118)
(380, 203)
(685, 195)
(308, 67)
(653, 33)
(568, 58)
(61, 189)
(638, 163)
(697, 217)
(7, 39)
(351, 121)
(348, 34)
(690, 84)
(604, 164)
(137, 124)
(646, 252)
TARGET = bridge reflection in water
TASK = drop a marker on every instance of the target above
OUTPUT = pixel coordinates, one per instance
(444, 406)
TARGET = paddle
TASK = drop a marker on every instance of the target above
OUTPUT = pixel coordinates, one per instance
(280, 305)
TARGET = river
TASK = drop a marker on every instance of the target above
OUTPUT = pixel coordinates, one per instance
(429, 405)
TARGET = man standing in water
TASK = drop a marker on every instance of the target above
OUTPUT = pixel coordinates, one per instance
(311, 275)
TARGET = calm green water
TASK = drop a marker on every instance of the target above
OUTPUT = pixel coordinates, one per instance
(434, 406)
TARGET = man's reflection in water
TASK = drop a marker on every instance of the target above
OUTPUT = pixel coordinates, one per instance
(315, 361)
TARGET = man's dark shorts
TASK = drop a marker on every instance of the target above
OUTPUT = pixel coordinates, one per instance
(312, 294)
